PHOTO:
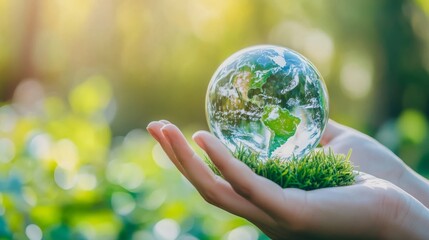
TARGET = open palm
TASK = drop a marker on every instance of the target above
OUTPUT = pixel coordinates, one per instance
(369, 155)
(284, 213)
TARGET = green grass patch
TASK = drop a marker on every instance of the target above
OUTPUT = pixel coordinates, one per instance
(318, 169)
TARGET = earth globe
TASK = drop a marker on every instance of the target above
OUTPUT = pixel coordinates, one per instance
(270, 100)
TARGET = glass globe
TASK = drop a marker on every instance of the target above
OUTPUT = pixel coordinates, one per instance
(270, 100)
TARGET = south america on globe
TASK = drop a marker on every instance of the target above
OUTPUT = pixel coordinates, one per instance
(269, 100)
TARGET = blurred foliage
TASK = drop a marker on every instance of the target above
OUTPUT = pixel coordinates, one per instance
(80, 79)
(63, 176)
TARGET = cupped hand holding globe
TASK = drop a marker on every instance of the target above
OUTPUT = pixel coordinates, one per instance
(371, 208)
(259, 115)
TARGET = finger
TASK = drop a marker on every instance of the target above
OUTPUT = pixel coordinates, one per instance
(262, 192)
(215, 190)
(332, 130)
(154, 128)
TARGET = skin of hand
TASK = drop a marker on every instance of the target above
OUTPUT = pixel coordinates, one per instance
(371, 208)
(371, 157)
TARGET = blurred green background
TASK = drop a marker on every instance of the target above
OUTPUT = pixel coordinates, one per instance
(79, 81)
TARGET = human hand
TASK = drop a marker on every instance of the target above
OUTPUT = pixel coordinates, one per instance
(373, 158)
(371, 208)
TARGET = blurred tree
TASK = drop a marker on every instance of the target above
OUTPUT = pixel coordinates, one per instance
(25, 67)
(403, 78)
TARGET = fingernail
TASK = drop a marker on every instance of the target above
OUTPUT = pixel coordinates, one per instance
(165, 121)
(153, 134)
(165, 130)
(151, 124)
(196, 137)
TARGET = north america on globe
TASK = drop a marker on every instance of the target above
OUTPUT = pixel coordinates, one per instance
(270, 100)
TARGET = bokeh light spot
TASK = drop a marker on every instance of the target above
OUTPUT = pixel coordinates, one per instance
(64, 179)
(412, 125)
(187, 237)
(7, 119)
(7, 150)
(29, 195)
(142, 234)
(161, 159)
(154, 200)
(242, 233)
(33, 232)
(86, 179)
(388, 135)
(128, 175)
(28, 97)
(66, 154)
(318, 46)
(123, 203)
(356, 77)
(91, 96)
(166, 229)
(40, 146)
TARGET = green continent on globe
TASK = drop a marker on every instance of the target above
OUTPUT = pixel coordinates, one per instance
(281, 123)
(259, 78)
(246, 79)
